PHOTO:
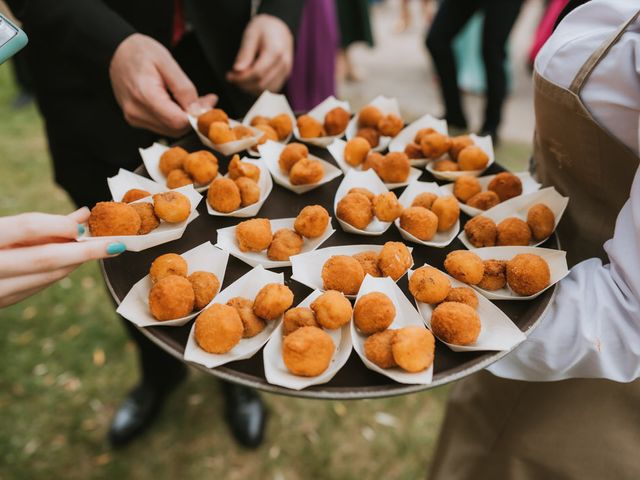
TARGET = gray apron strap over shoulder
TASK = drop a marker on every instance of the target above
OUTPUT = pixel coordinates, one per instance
(585, 71)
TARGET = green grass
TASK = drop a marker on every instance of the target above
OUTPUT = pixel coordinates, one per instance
(66, 365)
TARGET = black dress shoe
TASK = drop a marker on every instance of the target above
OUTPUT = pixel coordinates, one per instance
(245, 414)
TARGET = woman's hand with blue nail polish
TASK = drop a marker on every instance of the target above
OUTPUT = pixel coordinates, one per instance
(37, 249)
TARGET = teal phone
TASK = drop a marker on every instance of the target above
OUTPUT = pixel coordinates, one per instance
(12, 39)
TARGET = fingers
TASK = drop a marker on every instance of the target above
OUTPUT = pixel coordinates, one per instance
(81, 215)
(248, 48)
(202, 104)
(47, 258)
(179, 85)
(14, 289)
(29, 227)
(155, 110)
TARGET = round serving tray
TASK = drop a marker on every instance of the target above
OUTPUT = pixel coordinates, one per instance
(354, 380)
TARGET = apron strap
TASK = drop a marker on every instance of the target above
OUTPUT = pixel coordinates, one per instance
(585, 71)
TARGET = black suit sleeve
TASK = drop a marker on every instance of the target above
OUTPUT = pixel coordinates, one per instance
(87, 29)
(289, 11)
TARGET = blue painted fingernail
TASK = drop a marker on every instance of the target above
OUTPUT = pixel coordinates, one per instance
(80, 230)
(116, 248)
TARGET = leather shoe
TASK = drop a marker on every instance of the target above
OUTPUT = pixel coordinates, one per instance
(245, 414)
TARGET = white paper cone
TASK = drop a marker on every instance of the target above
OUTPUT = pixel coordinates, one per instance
(386, 106)
(485, 143)
(406, 315)
(369, 180)
(276, 371)
(319, 113)
(227, 241)
(264, 182)
(406, 136)
(228, 148)
(440, 239)
(337, 152)
(166, 232)
(270, 154)
(269, 105)
(519, 206)
(529, 185)
(125, 180)
(497, 331)
(246, 286)
(307, 267)
(556, 259)
(135, 306)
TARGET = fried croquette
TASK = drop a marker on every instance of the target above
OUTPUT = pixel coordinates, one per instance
(282, 124)
(528, 274)
(541, 221)
(291, 154)
(429, 285)
(495, 275)
(113, 218)
(170, 298)
(254, 235)
(134, 194)
(172, 159)
(445, 165)
(249, 191)
(377, 349)
(472, 158)
(512, 231)
(242, 131)
(464, 266)
(457, 144)
(306, 172)
(419, 222)
(434, 145)
(285, 243)
(424, 199)
(342, 273)
(394, 260)
(218, 329)
(296, 318)
(506, 185)
(371, 135)
(309, 127)
(395, 167)
(202, 166)
(420, 134)
(413, 151)
(148, 219)
(390, 125)
(312, 221)
(373, 313)
(413, 348)
(206, 119)
(364, 191)
(464, 295)
(374, 160)
(356, 150)
(178, 178)
(455, 323)
(332, 309)
(484, 200)
(369, 116)
(251, 323)
(268, 133)
(168, 264)
(272, 301)
(369, 262)
(448, 212)
(224, 195)
(336, 120)
(481, 231)
(220, 132)
(466, 187)
(259, 120)
(172, 207)
(356, 210)
(387, 207)
(307, 352)
(205, 287)
(238, 169)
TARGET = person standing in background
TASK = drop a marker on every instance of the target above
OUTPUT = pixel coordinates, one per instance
(499, 18)
(355, 26)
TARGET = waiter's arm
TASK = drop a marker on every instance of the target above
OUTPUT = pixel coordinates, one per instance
(592, 328)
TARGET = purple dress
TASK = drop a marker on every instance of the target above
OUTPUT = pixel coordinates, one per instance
(313, 76)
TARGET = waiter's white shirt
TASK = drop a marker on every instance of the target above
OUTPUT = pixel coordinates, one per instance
(592, 328)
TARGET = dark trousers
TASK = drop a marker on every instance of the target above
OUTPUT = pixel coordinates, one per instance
(500, 15)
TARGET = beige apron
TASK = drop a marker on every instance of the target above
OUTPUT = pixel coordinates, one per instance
(498, 429)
